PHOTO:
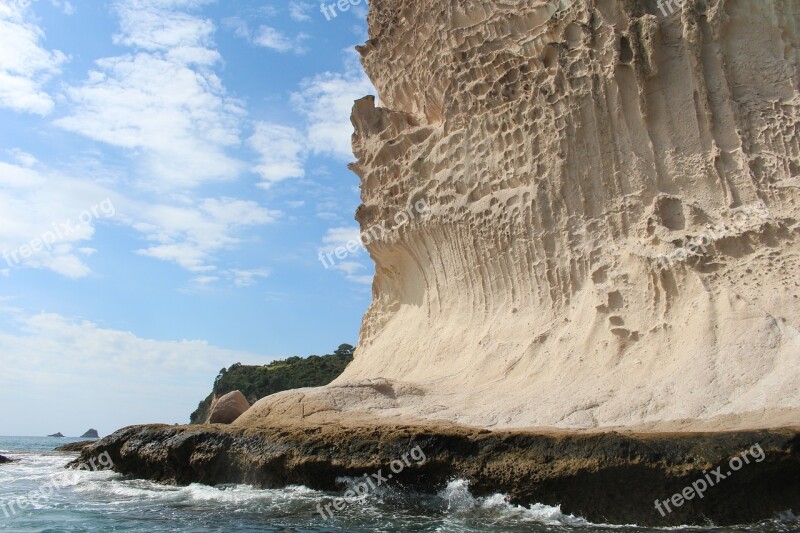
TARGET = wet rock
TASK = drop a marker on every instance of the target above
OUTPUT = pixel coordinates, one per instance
(604, 477)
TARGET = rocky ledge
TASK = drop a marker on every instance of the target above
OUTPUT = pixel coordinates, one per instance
(74, 446)
(4, 460)
(610, 477)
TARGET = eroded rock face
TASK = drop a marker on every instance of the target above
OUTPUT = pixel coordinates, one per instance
(611, 232)
(228, 408)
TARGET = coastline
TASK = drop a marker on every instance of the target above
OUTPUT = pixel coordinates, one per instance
(604, 477)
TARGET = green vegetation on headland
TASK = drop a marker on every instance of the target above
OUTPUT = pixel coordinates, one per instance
(255, 382)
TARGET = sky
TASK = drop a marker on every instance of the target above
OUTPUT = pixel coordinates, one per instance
(170, 171)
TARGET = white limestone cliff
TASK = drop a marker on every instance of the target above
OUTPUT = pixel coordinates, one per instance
(611, 234)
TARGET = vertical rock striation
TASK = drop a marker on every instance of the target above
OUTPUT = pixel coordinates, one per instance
(611, 232)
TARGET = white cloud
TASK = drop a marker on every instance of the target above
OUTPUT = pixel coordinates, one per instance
(88, 366)
(191, 235)
(65, 6)
(23, 158)
(38, 202)
(57, 343)
(347, 241)
(205, 280)
(238, 26)
(267, 36)
(158, 25)
(341, 236)
(25, 66)
(163, 104)
(247, 278)
(350, 267)
(327, 100)
(272, 38)
(299, 11)
(40, 219)
(239, 278)
(281, 152)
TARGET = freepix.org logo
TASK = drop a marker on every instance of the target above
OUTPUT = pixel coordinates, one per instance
(330, 10)
(60, 231)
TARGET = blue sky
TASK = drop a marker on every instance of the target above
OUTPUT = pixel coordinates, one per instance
(169, 172)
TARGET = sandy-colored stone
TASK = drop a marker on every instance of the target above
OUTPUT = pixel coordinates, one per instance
(228, 408)
(567, 151)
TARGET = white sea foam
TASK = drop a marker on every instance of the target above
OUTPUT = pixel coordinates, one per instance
(461, 501)
(374, 490)
(453, 509)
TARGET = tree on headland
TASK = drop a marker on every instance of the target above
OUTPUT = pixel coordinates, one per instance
(345, 349)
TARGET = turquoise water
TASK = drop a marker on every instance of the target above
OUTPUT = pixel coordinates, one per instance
(105, 501)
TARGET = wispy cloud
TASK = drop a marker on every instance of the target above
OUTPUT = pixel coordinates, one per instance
(25, 65)
(353, 266)
(281, 152)
(238, 278)
(299, 10)
(191, 235)
(247, 278)
(78, 345)
(35, 203)
(48, 353)
(23, 158)
(161, 25)
(326, 101)
(188, 232)
(267, 36)
(272, 38)
(163, 103)
(65, 6)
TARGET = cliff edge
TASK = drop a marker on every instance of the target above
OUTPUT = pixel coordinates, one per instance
(611, 230)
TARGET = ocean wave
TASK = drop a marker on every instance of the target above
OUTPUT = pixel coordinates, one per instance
(453, 509)
(460, 501)
(126, 490)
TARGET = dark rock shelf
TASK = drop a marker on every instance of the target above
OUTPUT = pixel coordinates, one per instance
(611, 478)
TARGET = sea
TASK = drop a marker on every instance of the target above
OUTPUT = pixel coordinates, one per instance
(87, 500)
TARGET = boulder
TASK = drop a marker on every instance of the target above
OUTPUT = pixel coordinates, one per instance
(228, 408)
(4, 460)
(90, 434)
